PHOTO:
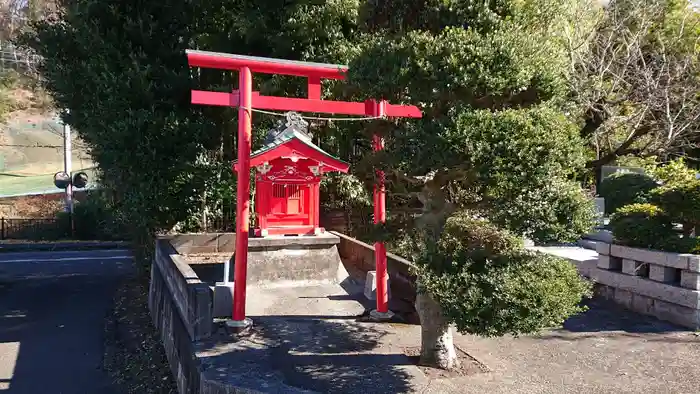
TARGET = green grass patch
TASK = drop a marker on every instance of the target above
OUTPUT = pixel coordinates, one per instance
(12, 184)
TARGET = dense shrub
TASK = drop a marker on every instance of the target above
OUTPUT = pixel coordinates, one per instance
(557, 211)
(679, 245)
(673, 172)
(465, 235)
(488, 284)
(624, 189)
(681, 201)
(642, 226)
(94, 219)
(36, 229)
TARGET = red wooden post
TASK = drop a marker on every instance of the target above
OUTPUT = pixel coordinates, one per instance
(379, 247)
(245, 89)
(380, 217)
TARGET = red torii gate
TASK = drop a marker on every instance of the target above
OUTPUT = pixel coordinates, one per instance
(246, 100)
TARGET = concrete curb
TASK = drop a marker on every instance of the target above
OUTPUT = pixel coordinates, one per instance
(62, 246)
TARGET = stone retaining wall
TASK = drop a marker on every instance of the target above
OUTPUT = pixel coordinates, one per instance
(192, 297)
(180, 306)
(661, 284)
(358, 258)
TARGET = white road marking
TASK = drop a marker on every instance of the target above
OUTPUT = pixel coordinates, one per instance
(67, 259)
(8, 359)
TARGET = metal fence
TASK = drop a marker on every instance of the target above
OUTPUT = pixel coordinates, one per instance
(34, 229)
(220, 225)
(18, 59)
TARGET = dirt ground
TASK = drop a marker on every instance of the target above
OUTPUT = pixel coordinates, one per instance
(134, 355)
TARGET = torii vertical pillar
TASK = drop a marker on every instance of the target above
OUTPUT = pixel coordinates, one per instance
(379, 247)
(245, 114)
(379, 198)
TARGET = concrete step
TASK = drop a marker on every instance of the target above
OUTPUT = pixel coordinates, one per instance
(584, 259)
(587, 243)
(600, 235)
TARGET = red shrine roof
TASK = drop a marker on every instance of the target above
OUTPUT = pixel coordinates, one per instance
(292, 142)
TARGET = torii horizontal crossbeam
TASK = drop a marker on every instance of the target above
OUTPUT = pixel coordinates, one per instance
(312, 103)
(274, 103)
(265, 65)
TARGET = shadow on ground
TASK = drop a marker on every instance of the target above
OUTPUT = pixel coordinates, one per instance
(310, 339)
(605, 316)
(605, 319)
(339, 356)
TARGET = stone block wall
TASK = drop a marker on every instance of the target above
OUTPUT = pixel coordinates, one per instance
(180, 306)
(661, 284)
(192, 297)
(358, 258)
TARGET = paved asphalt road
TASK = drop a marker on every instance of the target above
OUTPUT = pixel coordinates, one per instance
(52, 311)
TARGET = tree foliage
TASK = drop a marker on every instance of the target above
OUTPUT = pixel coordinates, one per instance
(488, 285)
(674, 171)
(120, 68)
(682, 203)
(636, 80)
(492, 88)
(623, 189)
(494, 153)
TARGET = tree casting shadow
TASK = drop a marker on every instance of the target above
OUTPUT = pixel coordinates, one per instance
(603, 316)
(336, 356)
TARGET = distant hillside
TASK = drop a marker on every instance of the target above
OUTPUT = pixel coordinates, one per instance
(31, 139)
(32, 144)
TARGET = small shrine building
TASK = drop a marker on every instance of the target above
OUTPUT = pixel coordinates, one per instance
(289, 168)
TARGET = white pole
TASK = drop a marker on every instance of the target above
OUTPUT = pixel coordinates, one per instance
(227, 270)
(67, 164)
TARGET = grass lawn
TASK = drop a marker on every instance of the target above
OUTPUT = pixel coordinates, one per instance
(12, 184)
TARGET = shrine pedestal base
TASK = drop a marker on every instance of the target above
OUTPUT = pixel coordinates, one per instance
(223, 299)
(286, 259)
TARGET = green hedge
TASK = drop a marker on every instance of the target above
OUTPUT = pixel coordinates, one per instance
(650, 227)
(620, 190)
(641, 225)
(682, 203)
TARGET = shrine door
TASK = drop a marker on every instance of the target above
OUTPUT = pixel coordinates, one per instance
(290, 205)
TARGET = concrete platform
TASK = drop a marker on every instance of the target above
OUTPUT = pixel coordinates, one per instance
(307, 339)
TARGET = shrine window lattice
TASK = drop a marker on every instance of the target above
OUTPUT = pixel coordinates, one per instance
(286, 191)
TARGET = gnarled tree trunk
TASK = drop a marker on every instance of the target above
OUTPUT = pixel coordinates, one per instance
(437, 345)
